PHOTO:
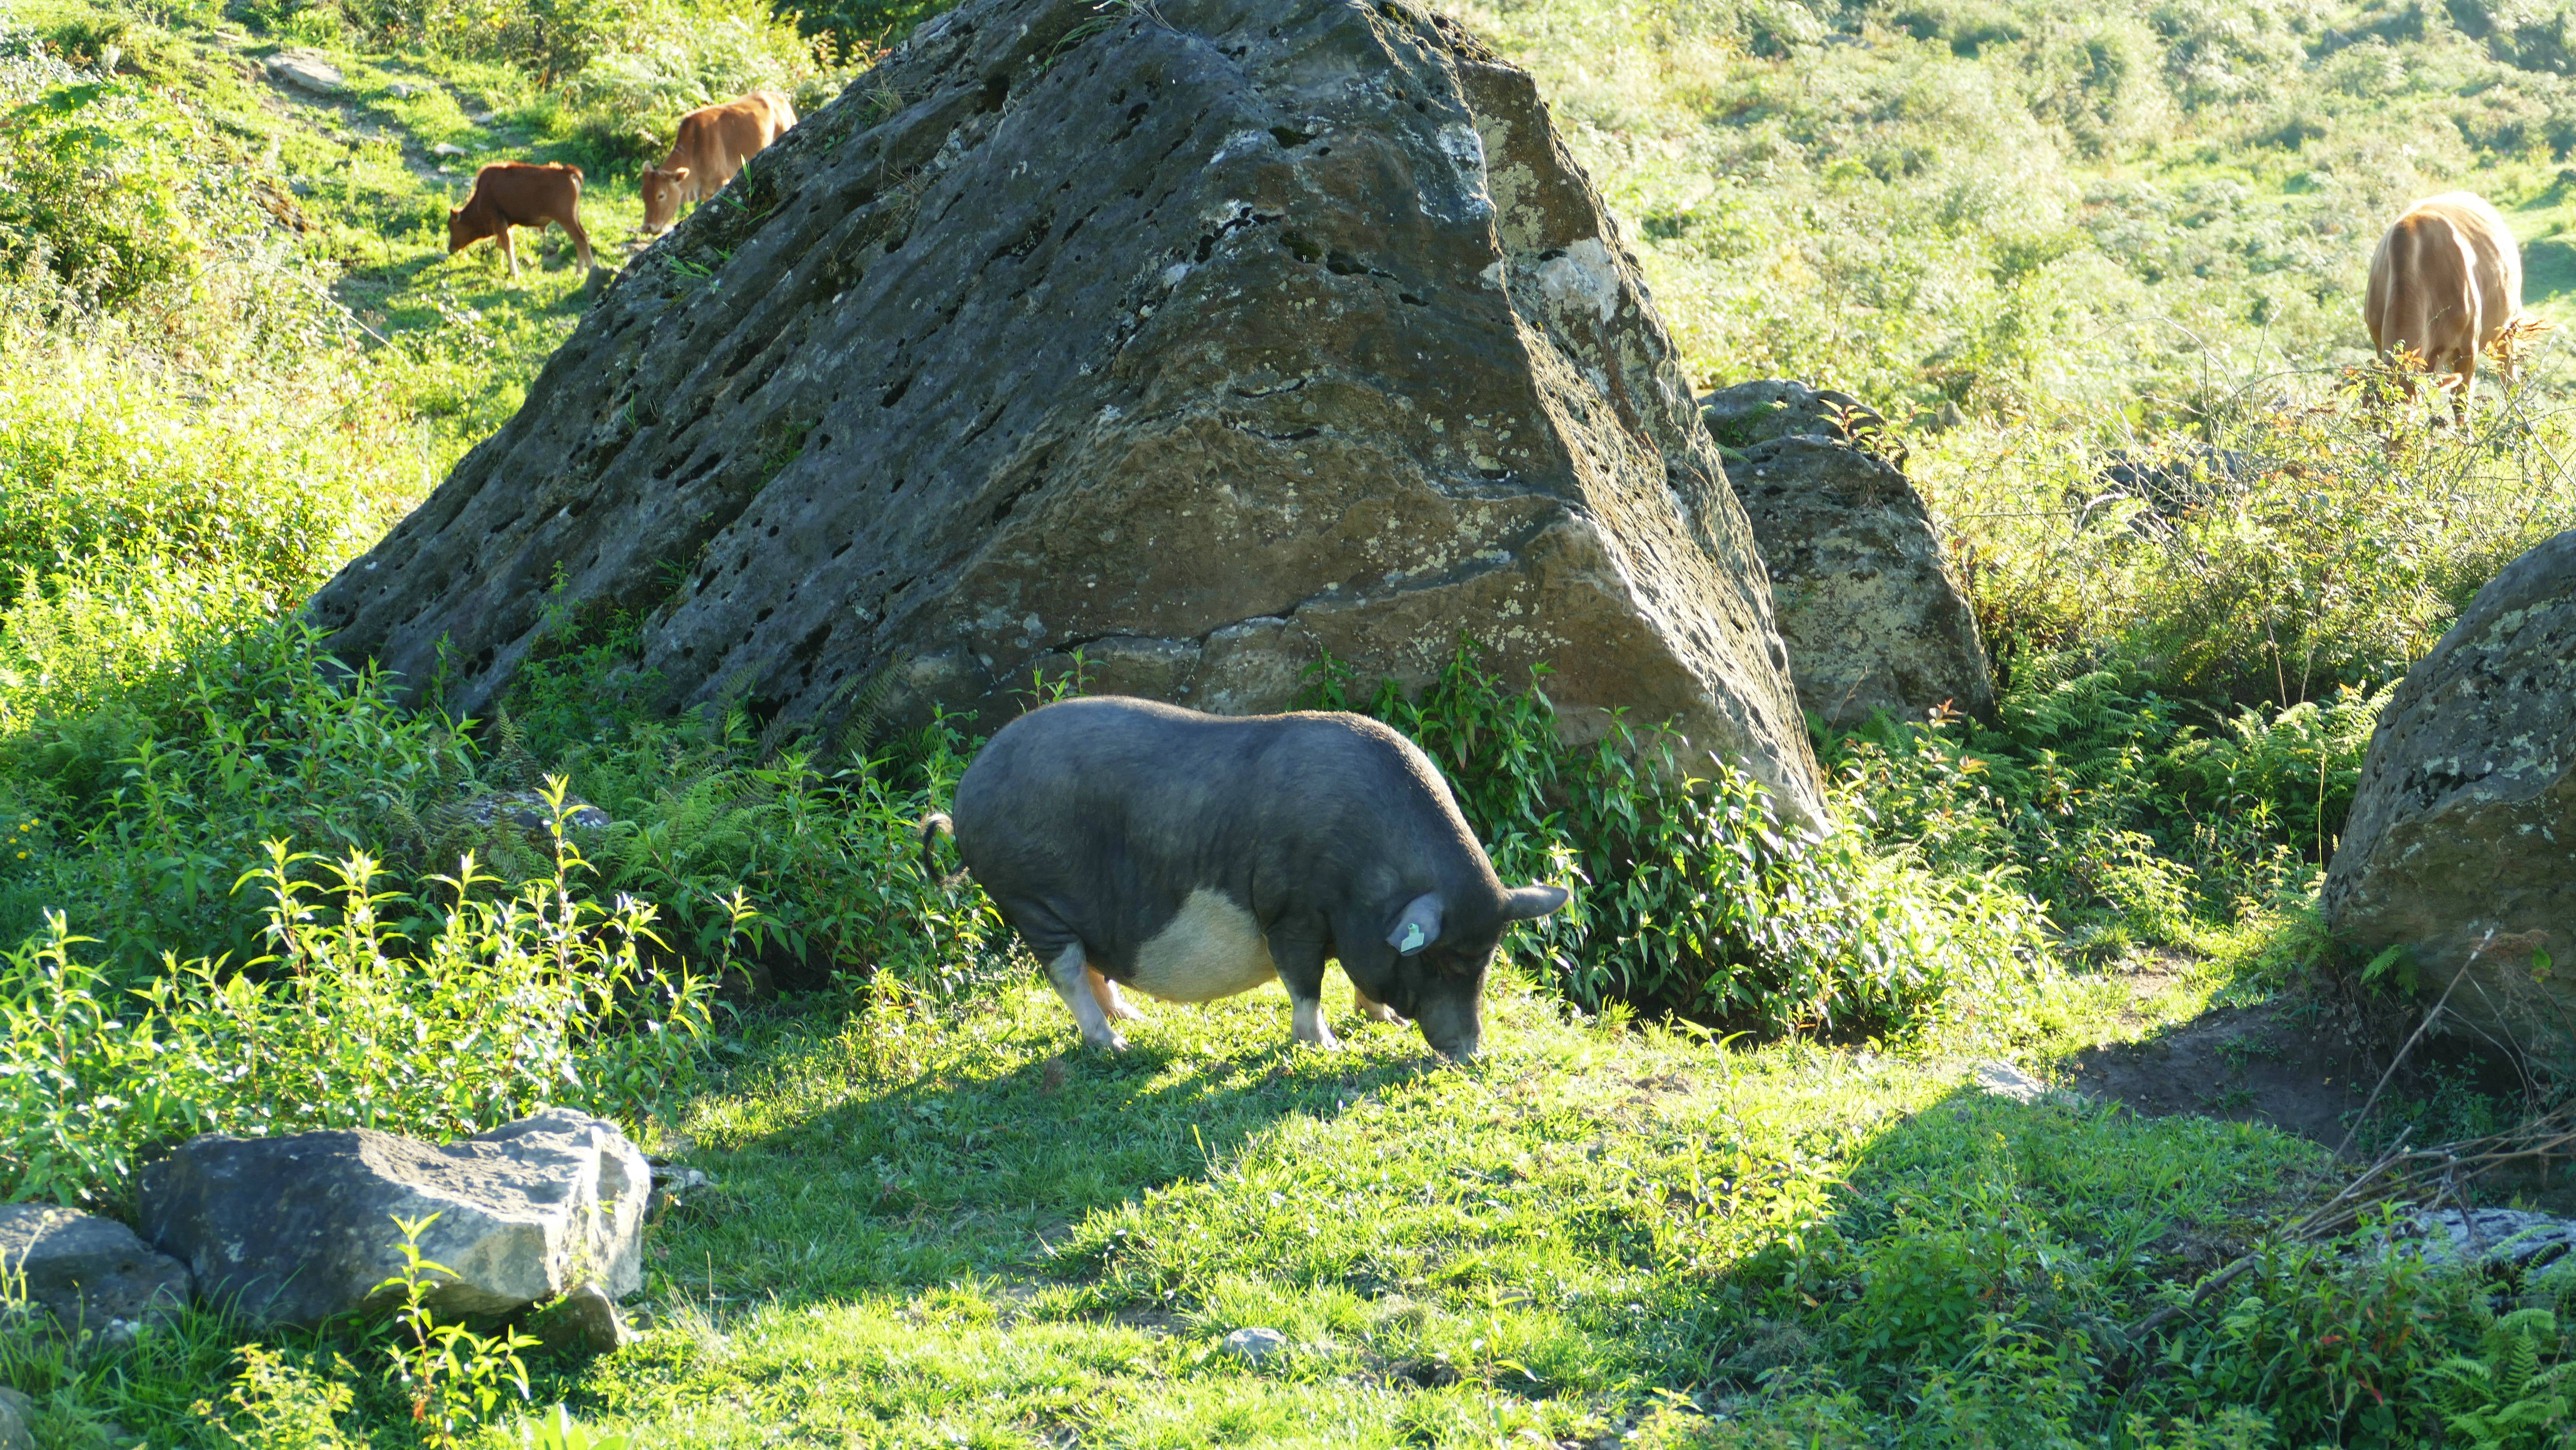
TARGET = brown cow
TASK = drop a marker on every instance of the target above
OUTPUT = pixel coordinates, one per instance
(519, 194)
(2445, 283)
(712, 144)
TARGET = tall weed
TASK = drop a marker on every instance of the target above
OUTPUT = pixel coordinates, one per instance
(499, 1007)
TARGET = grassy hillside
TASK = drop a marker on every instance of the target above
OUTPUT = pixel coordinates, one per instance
(233, 349)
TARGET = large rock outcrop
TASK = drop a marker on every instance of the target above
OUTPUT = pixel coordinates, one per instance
(298, 1229)
(1861, 584)
(1205, 337)
(2461, 844)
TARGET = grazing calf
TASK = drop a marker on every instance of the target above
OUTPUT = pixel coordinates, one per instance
(1196, 856)
(2445, 283)
(712, 144)
(519, 194)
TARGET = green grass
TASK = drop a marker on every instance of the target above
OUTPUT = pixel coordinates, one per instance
(956, 1226)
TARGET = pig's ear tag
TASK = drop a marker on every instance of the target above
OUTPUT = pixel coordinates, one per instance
(1418, 926)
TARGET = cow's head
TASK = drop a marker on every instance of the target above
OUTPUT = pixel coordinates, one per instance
(662, 196)
(1434, 959)
(459, 234)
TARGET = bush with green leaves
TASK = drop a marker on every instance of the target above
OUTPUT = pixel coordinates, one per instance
(1690, 895)
(488, 1010)
(2094, 791)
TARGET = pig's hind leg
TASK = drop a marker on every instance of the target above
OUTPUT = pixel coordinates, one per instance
(1072, 976)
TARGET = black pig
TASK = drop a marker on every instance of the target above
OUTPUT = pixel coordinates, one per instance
(1195, 856)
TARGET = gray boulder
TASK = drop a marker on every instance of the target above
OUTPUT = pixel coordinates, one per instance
(1861, 583)
(90, 1274)
(2461, 844)
(308, 71)
(1204, 338)
(16, 1410)
(295, 1230)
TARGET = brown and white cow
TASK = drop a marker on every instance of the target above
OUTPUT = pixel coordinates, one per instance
(2445, 283)
(712, 144)
(520, 194)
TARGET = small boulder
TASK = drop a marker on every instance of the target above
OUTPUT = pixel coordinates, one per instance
(583, 1322)
(1860, 582)
(2493, 1235)
(1255, 1345)
(298, 1229)
(2172, 485)
(16, 1411)
(522, 810)
(446, 150)
(308, 71)
(2003, 1080)
(90, 1274)
(2461, 842)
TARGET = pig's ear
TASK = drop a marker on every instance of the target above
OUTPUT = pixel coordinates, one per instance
(1418, 926)
(1531, 902)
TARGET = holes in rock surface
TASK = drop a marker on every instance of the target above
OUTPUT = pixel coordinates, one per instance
(1410, 300)
(845, 548)
(897, 488)
(811, 645)
(1299, 247)
(763, 616)
(773, 532)
(1551, 254)
(1290, 137)
(895, 394)
(1343, 264)
(1494, 473)
(996, 91)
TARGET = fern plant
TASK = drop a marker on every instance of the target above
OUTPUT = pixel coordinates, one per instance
(2507, 1397)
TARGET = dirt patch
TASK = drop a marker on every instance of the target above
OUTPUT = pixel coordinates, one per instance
(2291, 1065)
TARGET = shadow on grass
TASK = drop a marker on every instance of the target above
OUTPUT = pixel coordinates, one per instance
(851, 1165)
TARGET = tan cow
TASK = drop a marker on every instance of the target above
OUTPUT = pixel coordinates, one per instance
(519, 194)
(2445, 283)
(712, 144)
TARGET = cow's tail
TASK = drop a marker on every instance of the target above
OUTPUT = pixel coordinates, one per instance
(932, 826)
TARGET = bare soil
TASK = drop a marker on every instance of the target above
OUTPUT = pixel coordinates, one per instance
(2298, 1065)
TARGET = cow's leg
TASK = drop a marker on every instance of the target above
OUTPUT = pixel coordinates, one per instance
(1301, 971)
(580, 243)
(1105, 992)
(1371, 1008)
(1070, 973)
(509, 253)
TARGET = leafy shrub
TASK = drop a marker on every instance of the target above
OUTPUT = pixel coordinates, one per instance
(2334, 1351)
(2091, 792)
(1689, 894)
(497, 1008)
(100, 190)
